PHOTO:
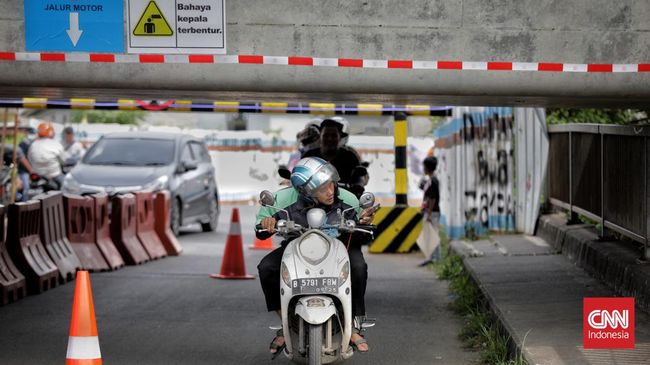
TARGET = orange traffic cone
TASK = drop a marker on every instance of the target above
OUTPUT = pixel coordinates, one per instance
(83, 343)
(266, 244)
(232, 266)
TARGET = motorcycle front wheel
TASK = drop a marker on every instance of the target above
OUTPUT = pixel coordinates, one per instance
(315, 344)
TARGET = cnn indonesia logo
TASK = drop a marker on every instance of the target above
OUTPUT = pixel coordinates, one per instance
(608, 323)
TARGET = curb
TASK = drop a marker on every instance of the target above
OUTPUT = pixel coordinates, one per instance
(515, 344)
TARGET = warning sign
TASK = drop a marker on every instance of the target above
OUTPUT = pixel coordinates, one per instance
(152, 23)
(177, 26)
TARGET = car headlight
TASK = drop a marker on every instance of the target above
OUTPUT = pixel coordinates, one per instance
(71, 185)
(314, 248)
(344, 274)
(158, 184)
(284, 271)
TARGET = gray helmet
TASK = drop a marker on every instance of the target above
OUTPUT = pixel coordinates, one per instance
(311, 173)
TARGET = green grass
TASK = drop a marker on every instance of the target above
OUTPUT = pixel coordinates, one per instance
(480, 330)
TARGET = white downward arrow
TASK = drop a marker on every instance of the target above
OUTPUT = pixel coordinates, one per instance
(74, 33)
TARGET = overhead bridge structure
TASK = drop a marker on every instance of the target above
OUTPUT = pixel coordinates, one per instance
(444, 52)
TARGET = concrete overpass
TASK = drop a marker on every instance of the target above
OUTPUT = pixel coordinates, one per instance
(579, 52)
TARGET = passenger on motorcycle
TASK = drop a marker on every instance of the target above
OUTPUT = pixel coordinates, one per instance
(343, 159)
(46, 154)
(314, 185)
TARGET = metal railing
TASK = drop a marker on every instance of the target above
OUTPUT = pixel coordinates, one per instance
(601, 172)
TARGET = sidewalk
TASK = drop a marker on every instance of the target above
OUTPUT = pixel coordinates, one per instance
(537, 295)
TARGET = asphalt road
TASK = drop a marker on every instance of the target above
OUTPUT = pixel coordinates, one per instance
(171, 312)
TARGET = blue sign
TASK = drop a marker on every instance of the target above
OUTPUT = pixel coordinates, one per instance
(79, 25)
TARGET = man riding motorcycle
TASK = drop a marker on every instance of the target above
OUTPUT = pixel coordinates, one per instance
(46, 155)
(314, 185)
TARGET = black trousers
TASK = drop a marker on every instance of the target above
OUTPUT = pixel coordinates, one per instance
(269, 271)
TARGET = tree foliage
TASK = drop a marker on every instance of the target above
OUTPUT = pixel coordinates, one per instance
(599, 116)
(108, 116)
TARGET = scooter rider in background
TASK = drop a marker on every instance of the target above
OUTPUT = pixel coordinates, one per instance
(314, 184)
(308, 139)
(24, 169)
(74, 150)
(46, 154)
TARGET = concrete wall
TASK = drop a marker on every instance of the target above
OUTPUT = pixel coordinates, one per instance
(576, 31)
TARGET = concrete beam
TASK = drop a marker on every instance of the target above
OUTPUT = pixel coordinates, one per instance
(577, 31)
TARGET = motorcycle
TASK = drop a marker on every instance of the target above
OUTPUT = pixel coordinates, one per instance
(5, 184)
(40, 184)
(315, 289)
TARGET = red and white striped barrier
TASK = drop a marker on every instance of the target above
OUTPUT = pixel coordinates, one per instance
(325, 62)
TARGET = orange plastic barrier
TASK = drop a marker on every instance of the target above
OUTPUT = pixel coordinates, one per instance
(54, 238)
(12, 282)
(123, 230)
(79, 216)
(145, 226)
(103, 233)
(25, 247)
(161, 207)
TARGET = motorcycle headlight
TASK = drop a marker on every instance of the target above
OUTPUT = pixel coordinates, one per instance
(314, 248)
(158, 184)
(284, 272)
(344, 274)
(71, 185)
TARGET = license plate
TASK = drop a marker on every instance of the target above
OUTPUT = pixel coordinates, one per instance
(315, 286)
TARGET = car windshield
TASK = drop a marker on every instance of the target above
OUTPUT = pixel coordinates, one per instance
(131, 152)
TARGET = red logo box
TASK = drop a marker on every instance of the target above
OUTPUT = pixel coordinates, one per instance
(608, 323)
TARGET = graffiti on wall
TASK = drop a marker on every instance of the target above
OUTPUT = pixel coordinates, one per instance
(476, 171)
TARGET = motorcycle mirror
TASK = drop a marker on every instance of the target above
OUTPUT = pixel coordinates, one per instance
(367, 200)
(284, 172)
(266, 198)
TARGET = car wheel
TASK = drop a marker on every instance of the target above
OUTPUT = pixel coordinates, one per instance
(175, 219)
(211, 225)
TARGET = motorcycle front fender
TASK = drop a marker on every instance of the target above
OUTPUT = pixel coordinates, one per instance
(315, 309)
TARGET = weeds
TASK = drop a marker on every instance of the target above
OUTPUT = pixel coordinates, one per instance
(480, 331)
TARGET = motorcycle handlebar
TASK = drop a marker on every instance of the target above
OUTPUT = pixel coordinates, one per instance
(259, 228)
(368, 227)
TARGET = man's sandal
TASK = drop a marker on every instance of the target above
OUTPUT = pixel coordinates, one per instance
(359, 341)
(274, 346)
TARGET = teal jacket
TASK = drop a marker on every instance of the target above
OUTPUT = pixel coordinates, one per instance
(287, 196)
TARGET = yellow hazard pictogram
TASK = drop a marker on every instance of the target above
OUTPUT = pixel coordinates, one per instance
(152, 23)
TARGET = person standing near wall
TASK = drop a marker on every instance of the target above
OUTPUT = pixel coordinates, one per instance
(429, 240)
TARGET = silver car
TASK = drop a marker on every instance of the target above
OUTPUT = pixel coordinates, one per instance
(127, 162)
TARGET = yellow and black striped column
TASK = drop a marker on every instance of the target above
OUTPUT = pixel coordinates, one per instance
(398, 229)
(401, 178)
